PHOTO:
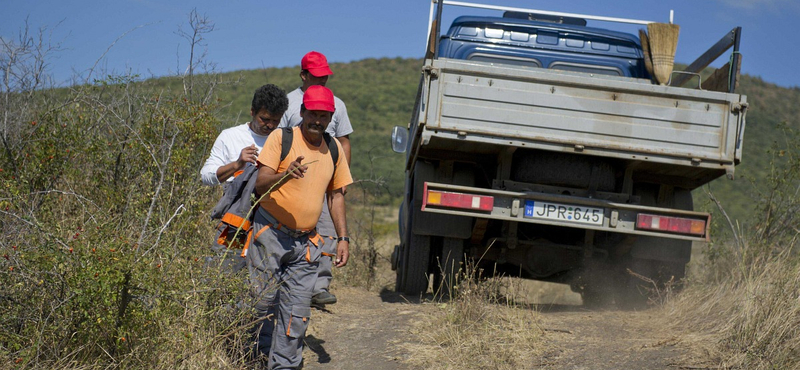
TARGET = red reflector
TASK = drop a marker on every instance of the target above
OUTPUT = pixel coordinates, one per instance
(459, 200)
(676, 225)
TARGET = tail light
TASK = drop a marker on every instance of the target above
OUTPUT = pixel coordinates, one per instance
(449, 199)
(678, 225)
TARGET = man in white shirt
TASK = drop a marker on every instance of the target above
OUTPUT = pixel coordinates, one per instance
(314, 70)
(238, 145)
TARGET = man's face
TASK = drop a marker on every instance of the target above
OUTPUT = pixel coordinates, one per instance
(264, 122)
(311, 80)
(316, 121)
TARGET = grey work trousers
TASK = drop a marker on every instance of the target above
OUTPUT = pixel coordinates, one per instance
(324, 271)
(326, 229)
(282, 270)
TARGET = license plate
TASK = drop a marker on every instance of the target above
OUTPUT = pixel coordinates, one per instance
(563, 212)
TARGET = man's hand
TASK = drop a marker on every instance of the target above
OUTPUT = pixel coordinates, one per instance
(342, 253)
(296, 169)
(249, 154)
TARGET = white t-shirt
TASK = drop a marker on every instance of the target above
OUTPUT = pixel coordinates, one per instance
(339, 126)
(227, 148)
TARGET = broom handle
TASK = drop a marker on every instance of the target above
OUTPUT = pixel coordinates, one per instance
(558, 14)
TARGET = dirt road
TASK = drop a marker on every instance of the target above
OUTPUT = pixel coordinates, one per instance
(366, 330)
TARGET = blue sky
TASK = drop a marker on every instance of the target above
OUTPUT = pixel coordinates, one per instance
(140, 36)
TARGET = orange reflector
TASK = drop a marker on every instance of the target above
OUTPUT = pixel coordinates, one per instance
(434, 198)
(459, 200)
(669, 224)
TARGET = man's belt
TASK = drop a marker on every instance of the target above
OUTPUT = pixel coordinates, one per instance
(281, 227)
(313, 236)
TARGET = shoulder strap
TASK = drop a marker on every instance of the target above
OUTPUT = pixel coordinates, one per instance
(286, 142)
(332, 147)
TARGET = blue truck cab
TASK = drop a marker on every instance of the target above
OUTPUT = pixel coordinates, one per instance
(534, 41)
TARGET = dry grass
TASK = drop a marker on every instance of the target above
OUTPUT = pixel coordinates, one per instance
(373, 235)
(479, 328)
(752, 315)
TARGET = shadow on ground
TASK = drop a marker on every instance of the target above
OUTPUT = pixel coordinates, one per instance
(316, 346)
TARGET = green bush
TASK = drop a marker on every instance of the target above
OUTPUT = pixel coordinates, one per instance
(105, 231)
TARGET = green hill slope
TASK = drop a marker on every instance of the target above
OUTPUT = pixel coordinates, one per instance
(770, 106)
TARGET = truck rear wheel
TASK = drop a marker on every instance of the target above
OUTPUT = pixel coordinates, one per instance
(412, 275)
(648, 280)
(656, 266)
(449, 268)
(596, 284)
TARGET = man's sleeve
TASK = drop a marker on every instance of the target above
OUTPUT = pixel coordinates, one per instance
(270, 154)
(284, 120)
(208, 174)
(341, 176)
(292, 117)
(343, 126)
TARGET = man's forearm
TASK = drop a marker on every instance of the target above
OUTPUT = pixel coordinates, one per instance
(267, 179)
(228, 170)
(338, 214)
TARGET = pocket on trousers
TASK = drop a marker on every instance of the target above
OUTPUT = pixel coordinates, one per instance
(298, 322)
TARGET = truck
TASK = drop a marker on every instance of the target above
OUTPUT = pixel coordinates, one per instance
(542, 148)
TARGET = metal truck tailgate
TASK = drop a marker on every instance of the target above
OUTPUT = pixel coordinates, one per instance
(597, 115)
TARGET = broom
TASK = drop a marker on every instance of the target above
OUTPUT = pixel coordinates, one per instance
(648, 62)
(663, 42)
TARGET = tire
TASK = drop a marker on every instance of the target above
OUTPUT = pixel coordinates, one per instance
(415, 265)
(400, 275)
(648, 274)
(448, 273)
(559, 169)
(649, 280)
(596, 285)
(596, 297)
(399, 254)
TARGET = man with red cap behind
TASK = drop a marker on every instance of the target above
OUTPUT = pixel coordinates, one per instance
(286, 249)
(314, 72)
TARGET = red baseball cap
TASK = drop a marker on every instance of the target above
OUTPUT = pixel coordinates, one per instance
(316, 64)
(318, 98)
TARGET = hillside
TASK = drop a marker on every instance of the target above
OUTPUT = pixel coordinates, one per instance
(379, 94)
(770, 107)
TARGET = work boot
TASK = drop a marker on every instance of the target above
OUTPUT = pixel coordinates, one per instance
(323, 298)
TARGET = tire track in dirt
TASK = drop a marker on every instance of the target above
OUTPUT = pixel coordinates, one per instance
(361, 331)
(582, 339)
(365, 330)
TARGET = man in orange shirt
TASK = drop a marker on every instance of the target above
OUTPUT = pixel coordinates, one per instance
(286, 249)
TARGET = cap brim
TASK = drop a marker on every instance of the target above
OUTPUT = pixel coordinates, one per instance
(319, 106)
(320, 72)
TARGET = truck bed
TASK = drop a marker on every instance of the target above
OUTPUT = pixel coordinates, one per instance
(691, 135)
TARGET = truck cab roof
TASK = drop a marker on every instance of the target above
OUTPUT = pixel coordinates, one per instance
(544, 44)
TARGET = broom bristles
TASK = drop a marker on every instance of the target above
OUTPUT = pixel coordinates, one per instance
(663, 43)
(648, 62)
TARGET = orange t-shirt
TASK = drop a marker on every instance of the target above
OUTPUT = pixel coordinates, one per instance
(298, 202)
